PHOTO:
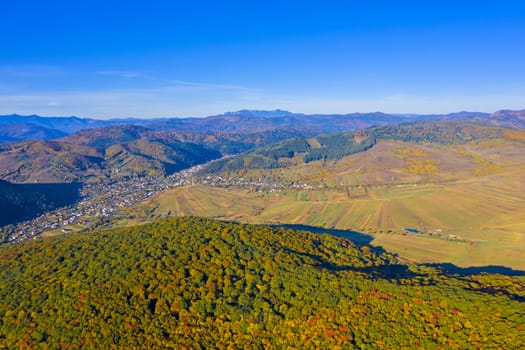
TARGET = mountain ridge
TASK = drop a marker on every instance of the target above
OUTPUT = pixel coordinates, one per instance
(250, 121)
(28, 131)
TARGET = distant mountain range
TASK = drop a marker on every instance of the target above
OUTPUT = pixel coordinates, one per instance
(68, 149)
(20, 128)
(47, 128)
(26, 131)
(64, 124)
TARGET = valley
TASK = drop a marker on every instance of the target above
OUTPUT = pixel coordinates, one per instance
(462, 199)
(100, 204)
(262, 175)
(174, 242)
(470, 212)
(463, 232)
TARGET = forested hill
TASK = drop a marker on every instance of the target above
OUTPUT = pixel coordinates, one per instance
(337, 146)
(124, 150)
(192, 282)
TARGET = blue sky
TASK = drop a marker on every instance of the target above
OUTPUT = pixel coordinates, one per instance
(195, 58)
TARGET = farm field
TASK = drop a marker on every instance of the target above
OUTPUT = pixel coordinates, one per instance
(472, 222)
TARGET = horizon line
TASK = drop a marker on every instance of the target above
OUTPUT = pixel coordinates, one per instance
(254, 110)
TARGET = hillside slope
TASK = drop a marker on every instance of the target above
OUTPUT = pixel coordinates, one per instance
(336, 146)
(191, 282)
(504, 118)
(124, 150)
(48, 161)
(464, 196)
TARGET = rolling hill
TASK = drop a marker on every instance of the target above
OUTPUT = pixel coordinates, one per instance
(459, 186)
(48, 161)
(336, 146)
(106, 136)
(504, 118)
(230, 143)
(246, 121)
(126, 150)
(190, 282)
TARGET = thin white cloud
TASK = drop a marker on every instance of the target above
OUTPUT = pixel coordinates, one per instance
(171, 100)
(402, 103)
(171, 97)
(174, 85)
(126, 74)
(157, 97)
(165, 102)
(207, 86)
(30, 71)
